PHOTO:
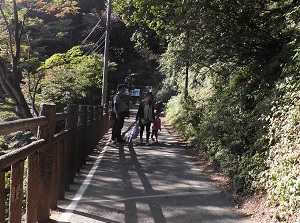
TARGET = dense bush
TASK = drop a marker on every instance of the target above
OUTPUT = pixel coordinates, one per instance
(165, 93)
(221, 127)
(282, 178)
(253, 137)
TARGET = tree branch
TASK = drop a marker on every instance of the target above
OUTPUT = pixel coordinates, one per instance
(3, 109)
(23, 23)
(7, 27)
(3, 81)
(7, 103)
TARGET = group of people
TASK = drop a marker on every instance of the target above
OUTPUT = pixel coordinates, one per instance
(147, 116)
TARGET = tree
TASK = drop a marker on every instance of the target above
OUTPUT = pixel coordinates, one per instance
(72, 77)
(224, 33)
(16, 48)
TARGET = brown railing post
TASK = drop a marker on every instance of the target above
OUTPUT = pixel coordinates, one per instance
(54, 182)
(16, 192)
(61, 170)
(104, 127)
(32, 186)
(83, 122)
(101, 129)
(71, 123)
(96, 126)
(45, 162)
(52, 167)
(67, 163)
(93, 128)
(91, 123)
(2, 196)
(106, 118)
(109, 123)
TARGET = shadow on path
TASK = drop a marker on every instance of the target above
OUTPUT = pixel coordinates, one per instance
(135, 183)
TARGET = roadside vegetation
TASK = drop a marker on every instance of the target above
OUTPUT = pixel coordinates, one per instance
(235, 68)
(230, 76)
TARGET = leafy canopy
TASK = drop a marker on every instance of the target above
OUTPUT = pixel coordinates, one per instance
(72, 77)
(22, 47)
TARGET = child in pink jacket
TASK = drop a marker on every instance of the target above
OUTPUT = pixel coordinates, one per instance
(156, 125)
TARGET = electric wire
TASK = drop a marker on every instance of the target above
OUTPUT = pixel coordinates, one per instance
(97, 48)
(91, 31)
(96, 44)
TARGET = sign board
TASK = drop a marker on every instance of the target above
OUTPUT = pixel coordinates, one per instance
(135, 93)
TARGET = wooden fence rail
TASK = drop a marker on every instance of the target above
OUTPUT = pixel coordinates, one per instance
(49, 163)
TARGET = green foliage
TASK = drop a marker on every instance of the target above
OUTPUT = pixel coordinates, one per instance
(165, 93)
(15, 140)
(184, 115)
(243, 63)
(251, 133)
(72, 77)
(30, 31)
(224, 120)
(283, 176)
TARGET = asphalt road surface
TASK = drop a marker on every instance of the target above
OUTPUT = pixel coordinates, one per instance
(134, 183)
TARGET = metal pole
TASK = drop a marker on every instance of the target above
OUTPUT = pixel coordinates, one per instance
(105, 67)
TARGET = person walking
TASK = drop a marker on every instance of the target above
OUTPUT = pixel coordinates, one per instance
(156, 125)
(119, 113)
(145, 115)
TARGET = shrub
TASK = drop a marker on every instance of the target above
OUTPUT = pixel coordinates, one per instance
(282, 178)
(220, 123)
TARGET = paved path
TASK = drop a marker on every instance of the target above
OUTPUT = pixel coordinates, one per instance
(136, 183)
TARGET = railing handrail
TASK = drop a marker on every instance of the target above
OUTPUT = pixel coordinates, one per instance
(53, 158)
(22, 124)
(22, 153)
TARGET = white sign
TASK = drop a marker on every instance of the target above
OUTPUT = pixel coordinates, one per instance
(135, 92)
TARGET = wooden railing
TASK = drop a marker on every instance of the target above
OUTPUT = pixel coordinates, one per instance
(49, 163)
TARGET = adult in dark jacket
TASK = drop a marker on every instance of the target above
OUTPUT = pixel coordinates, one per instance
(120, 106)
(145, 116)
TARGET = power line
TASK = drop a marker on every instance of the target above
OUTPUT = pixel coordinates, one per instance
(96, 49)
(96, 44)
(91, 31)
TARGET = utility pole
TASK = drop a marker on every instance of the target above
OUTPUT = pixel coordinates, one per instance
(105, 66)
(186, 89)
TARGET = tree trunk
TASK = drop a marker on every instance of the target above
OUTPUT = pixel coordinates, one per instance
(12, 90)
(13, 99)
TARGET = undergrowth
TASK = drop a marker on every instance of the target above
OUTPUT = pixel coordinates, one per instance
(258, 147)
